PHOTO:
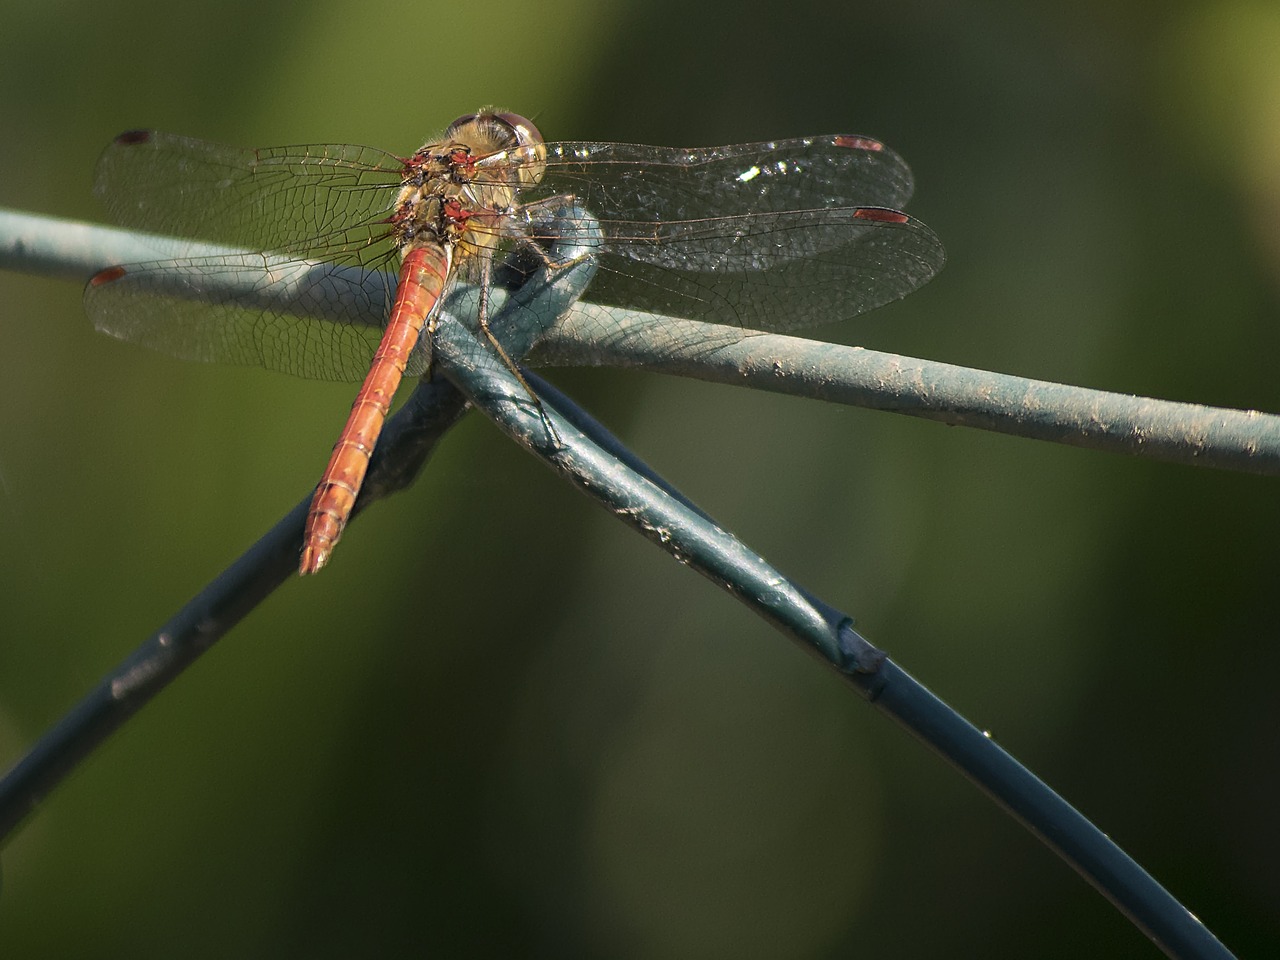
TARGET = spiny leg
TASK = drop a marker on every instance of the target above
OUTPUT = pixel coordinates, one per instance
(508, 362)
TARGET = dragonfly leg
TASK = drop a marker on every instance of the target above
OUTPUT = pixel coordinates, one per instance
(552, 207)
(508, 362)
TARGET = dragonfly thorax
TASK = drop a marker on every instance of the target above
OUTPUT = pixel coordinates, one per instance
(460, 189)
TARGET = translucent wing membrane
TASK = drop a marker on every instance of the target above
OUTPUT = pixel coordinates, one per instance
(326, 197)
(785, 272)
(627, 180)
(311, 303)
(310, 320)
(775, 236)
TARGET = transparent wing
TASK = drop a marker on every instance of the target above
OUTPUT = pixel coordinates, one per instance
(777, 235)
(773, 236)
(694, 183)
(321, 199)
(312, 320)
(785, 272)
(304, 287)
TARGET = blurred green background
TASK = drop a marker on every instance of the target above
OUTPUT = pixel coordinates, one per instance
(500, 724)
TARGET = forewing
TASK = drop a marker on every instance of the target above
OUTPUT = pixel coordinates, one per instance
(624, 181)
(320, 200)
(773, 236)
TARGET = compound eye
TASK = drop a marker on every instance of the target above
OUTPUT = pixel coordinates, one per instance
(489, 134)
(526, 133)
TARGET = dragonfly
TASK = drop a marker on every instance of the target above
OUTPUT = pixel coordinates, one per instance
(771, 236)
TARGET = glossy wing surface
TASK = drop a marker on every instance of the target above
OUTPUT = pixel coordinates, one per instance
(303, 286)
(317, 200)
(773, 236)
(311, 320)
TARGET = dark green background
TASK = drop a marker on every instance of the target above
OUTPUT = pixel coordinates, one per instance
(502, 725)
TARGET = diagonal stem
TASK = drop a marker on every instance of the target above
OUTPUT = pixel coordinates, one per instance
(585, 457)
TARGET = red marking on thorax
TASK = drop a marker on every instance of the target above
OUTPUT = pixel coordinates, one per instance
(462, 159)
(454, 212)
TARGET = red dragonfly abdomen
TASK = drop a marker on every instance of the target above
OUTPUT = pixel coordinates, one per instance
(422, 279)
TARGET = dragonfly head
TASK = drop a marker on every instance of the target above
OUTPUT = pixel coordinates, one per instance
(503, 136)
